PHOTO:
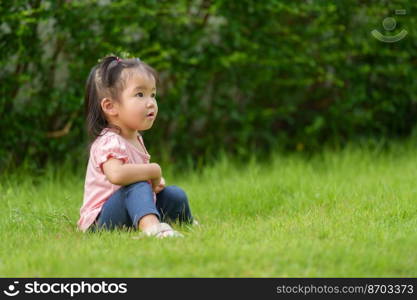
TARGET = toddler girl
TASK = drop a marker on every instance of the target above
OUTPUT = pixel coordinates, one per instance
(122, 188)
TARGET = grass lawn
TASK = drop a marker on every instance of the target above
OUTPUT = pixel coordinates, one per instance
(351, 213)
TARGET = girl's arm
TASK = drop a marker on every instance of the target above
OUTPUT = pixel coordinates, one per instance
(124, 174)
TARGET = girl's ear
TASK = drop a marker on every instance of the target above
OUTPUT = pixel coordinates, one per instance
(108, 106)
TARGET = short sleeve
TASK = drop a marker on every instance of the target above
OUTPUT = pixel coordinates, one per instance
(110, 147)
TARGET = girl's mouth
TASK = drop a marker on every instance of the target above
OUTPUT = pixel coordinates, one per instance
(151, 115)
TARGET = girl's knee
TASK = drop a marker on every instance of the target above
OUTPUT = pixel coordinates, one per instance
(177, 195)
(138, 188)
(138, 184)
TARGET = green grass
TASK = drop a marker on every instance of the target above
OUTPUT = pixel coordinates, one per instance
(351, 213)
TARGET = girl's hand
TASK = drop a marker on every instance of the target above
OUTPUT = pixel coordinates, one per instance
(160, 186)
(155, 183)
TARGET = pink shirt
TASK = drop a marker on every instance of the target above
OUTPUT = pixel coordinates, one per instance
(97, 188)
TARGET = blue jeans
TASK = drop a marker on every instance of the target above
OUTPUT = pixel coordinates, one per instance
(132, 202)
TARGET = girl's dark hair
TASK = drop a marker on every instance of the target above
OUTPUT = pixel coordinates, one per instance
(106, 79)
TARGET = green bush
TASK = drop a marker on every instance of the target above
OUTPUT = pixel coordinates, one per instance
(242, 76)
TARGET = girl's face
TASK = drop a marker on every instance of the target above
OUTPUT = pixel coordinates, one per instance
(138, 109)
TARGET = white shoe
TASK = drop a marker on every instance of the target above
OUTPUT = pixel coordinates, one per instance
(162, 230)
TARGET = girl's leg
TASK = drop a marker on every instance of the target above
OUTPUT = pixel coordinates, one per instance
(127, 206)
(113, 213)
(140, 206)
(172, 203)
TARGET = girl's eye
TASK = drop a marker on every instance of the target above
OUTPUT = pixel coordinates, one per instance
(153, 95)
(140, 94)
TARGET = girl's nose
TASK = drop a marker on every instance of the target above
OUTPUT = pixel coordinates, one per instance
(150, 103)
